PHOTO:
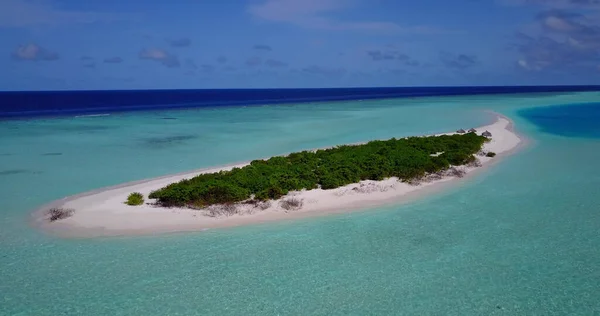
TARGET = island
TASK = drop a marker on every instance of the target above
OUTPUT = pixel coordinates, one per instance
(306, 183)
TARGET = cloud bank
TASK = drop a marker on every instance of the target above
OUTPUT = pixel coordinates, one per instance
(33, 52)
(161, 56)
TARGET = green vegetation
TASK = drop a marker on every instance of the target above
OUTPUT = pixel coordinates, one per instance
(490, 154)
(407, 159)
(135, 198)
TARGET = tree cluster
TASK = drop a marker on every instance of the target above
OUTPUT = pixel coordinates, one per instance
(261, 180)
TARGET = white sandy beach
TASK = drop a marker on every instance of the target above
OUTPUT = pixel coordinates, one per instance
(103, 212)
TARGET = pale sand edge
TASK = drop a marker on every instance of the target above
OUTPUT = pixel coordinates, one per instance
(72, 228)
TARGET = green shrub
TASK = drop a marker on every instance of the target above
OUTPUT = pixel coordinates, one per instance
(135, 198)
(408, 158)
(272, 193)
(219, 192)
(490, 154)
(155, 194)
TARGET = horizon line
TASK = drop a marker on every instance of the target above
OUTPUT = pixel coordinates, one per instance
(327, 88)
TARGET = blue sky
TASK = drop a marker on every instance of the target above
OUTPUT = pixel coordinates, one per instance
(181, 44)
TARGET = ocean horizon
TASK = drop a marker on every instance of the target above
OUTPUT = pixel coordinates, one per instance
(27, 104)
(520, 238)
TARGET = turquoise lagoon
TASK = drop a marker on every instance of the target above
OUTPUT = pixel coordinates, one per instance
(522, 238)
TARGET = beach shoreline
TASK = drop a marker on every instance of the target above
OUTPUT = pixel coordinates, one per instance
(102, 212)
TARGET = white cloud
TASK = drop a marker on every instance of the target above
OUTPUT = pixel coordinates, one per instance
(153, 53)
(161, 56)
(33, 52)
(558, 24)
(532, 66)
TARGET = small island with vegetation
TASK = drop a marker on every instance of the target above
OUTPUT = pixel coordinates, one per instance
(306, 183)
(407, 159)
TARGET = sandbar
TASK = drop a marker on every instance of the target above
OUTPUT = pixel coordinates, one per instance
(103, 212)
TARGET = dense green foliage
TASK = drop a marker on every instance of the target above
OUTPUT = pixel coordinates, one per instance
(406, 159)
(491, 154)
(135, 198)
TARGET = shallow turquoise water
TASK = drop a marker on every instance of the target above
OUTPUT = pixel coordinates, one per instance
(521, 239)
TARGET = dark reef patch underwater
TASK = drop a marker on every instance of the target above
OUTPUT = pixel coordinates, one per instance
(165, 141)
(11, 172)
(579, 120)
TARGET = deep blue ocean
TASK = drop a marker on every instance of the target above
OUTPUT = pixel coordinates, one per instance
(575, 120)
(38, 103)
(520, 238)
